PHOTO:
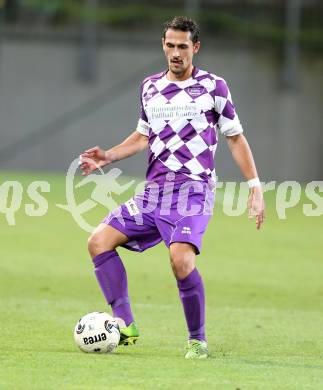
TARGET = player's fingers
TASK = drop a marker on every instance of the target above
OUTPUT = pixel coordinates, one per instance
(262, 213)
(80, 159)
(260, 220)
(91, 150)
(87, 171)
(84, 163)
(88, 155)
(251, 212)
(249, 205)
(88, 161)
(92, 167)
(83, 157)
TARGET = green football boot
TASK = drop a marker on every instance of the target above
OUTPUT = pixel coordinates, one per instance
(197, 349)
(129, 335)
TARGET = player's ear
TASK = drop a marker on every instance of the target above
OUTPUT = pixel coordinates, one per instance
(196, 47)
(163, 45)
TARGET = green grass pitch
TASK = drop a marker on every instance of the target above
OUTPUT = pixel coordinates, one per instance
(264, 295)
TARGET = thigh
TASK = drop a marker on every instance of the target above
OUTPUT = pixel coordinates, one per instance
(105, 238)
(109, 235)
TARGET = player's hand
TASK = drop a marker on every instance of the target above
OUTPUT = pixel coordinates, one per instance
(92, 159)
(256, 206)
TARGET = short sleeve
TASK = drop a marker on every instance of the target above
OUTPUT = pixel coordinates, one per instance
(142, 126)
(228, 122)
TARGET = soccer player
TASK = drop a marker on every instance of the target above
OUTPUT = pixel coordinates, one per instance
(182, 109)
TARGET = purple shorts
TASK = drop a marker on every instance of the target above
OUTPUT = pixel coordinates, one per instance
(176, 213)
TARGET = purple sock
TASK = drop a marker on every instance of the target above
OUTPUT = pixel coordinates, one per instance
(191, 292)
(112, 278)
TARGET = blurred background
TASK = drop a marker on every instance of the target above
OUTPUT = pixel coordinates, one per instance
(70, 73)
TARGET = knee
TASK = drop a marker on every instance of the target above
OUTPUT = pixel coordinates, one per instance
(97, 244)
(182, 262)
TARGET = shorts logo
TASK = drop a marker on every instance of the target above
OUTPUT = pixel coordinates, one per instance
(132, 207)
(186, 230)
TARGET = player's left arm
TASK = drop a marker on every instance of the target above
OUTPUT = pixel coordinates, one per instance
(243, 157)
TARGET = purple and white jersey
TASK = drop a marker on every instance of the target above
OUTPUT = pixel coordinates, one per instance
(181, 120)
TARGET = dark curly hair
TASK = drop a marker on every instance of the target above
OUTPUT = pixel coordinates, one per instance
(183, 23)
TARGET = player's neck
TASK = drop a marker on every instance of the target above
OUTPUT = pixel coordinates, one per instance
(180, 77)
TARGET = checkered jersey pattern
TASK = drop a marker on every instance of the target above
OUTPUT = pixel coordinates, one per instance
(181, 120)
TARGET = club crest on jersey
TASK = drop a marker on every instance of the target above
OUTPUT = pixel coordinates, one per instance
(196, 90)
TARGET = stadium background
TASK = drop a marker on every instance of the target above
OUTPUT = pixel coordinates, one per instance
(92, 55)
(69, 79)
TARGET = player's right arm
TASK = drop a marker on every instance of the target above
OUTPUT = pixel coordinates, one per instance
(95, 158)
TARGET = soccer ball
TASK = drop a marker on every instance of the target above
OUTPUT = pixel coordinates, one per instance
(97, 332)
